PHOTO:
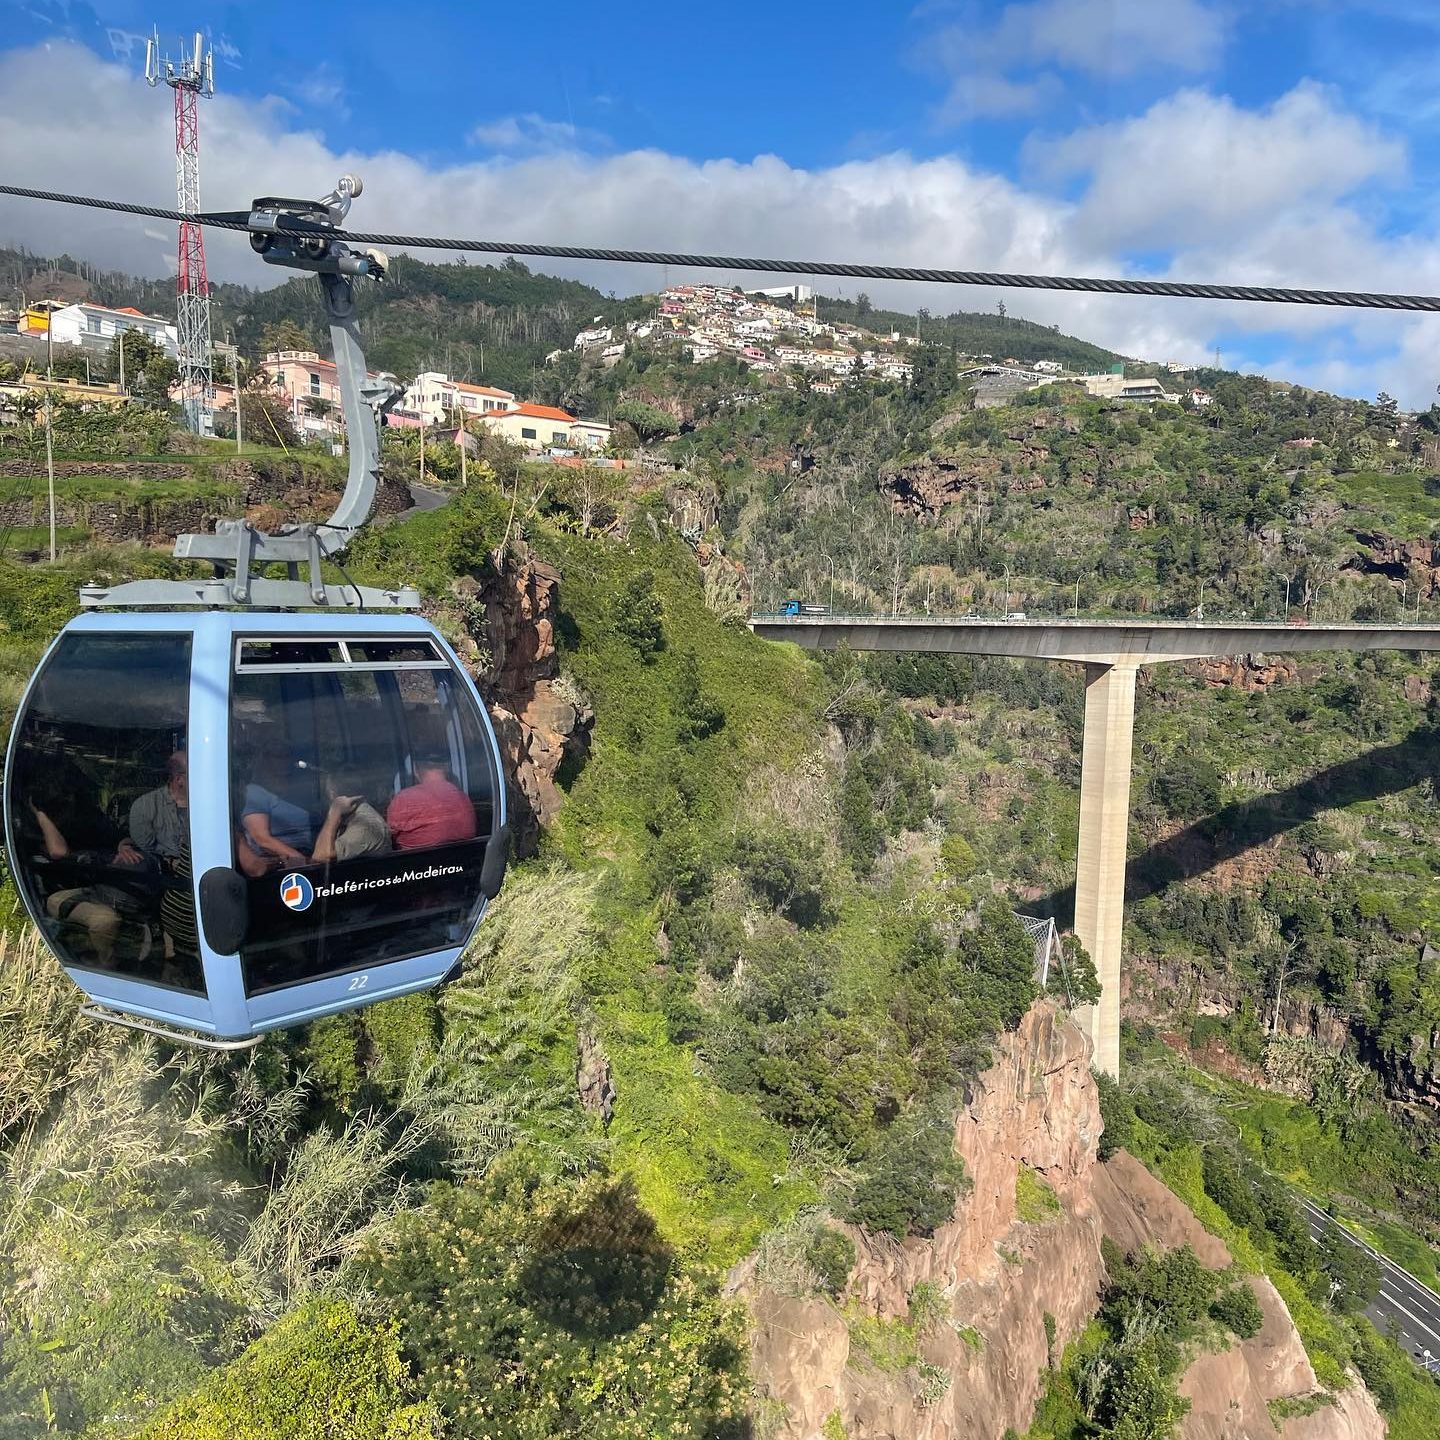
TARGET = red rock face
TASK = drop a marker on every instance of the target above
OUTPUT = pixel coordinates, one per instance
(999, 1276)
(1245, 672)
(537, 723)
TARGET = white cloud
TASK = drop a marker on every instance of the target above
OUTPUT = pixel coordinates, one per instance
(1210, 166)
(531, 133)
(976, 93)
(1111, 38)
(993, 68)
(104, 133)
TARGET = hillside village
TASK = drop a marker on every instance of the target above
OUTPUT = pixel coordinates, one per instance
(779, 335)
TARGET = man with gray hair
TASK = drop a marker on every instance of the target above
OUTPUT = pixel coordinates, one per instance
(160, 819)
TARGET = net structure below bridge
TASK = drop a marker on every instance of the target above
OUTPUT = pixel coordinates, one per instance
(1046, 939)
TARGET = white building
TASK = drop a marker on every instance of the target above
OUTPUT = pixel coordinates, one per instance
(588, 339)
(433, 395)
(590, 435)
(1047, 367)
(1117, 387)
(98, 325)
(798, 293)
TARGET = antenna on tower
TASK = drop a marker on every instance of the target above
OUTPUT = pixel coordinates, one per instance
(190, 77)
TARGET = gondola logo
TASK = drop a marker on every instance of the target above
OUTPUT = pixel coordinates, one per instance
(297, 892)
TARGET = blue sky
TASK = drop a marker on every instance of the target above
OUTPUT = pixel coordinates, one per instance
(1272, 142)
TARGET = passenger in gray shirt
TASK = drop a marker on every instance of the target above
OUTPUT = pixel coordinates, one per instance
(353, 826)
(160, 819)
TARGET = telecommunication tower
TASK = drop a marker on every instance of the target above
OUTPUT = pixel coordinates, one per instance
(190, 77)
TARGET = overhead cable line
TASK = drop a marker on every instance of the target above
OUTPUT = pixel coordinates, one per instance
(1168, 289)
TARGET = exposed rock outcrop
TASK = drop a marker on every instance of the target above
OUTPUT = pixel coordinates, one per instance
(1036, 1105)
(593, 1081)
(539, 718)
(1411, 563)
(1000, 1278)
(1254, 673)
(925, 486)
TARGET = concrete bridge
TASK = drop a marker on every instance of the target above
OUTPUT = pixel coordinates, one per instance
(1112, 652)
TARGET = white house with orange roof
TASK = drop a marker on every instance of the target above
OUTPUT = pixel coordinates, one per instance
(97, 325)
(434, 394)
(536, 427)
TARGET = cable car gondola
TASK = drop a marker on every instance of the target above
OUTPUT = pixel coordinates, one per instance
(228, 814)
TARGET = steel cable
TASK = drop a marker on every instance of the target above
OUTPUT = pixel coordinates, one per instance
(1168, 289)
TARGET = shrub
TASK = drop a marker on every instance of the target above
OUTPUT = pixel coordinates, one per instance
(1035, 1201)
(531, 1307)
(1238, 1310)
(318, 1371)
(638, 616)
(831, 1254)
(1116, 1114)
(912, 1181)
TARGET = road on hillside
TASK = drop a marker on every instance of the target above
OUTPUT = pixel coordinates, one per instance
(1403, 1300)
(424, 499)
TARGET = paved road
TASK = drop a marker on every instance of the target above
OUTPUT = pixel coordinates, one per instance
(1412, 1306)
(425, 499)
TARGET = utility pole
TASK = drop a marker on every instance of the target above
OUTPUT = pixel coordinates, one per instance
(233, 352)
(1077, 599)
(1006, 610)
(463, 436)
(50, 472)
(122, 361)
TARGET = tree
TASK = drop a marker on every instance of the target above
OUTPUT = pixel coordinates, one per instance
(1238, 1310)
(649, 422)
(639, 616)
(1117, 1115)
(913, 1178)
(1349, 1274)
(149, 371)
(266, 416)
(284, 335)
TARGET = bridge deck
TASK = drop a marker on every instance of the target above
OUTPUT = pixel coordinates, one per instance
(1102, 642)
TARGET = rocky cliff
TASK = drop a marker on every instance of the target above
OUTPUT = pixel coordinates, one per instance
(540, 720)
(1005, 1281)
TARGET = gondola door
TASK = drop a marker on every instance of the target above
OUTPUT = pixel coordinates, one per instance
(98, 819)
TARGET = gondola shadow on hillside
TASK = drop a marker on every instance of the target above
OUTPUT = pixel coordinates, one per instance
(1237, 828)
(599, 1271)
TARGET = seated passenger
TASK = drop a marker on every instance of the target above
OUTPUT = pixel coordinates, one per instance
(432, 811)
(274, 825)
(85, 905)
(353, 826)
(160, 819)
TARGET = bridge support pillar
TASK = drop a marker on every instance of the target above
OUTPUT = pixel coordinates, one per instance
(1104, 831)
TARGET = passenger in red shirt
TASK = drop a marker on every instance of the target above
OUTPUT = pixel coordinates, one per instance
(433, 811)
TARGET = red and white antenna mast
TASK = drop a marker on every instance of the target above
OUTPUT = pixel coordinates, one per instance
(190, 77)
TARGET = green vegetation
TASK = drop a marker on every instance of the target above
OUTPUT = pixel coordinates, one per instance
(831, 1254)
(778, 895)
(525, 1306)
(1238, 1311)
(1035, 1199)
(892, 1345)
(317, 1370)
